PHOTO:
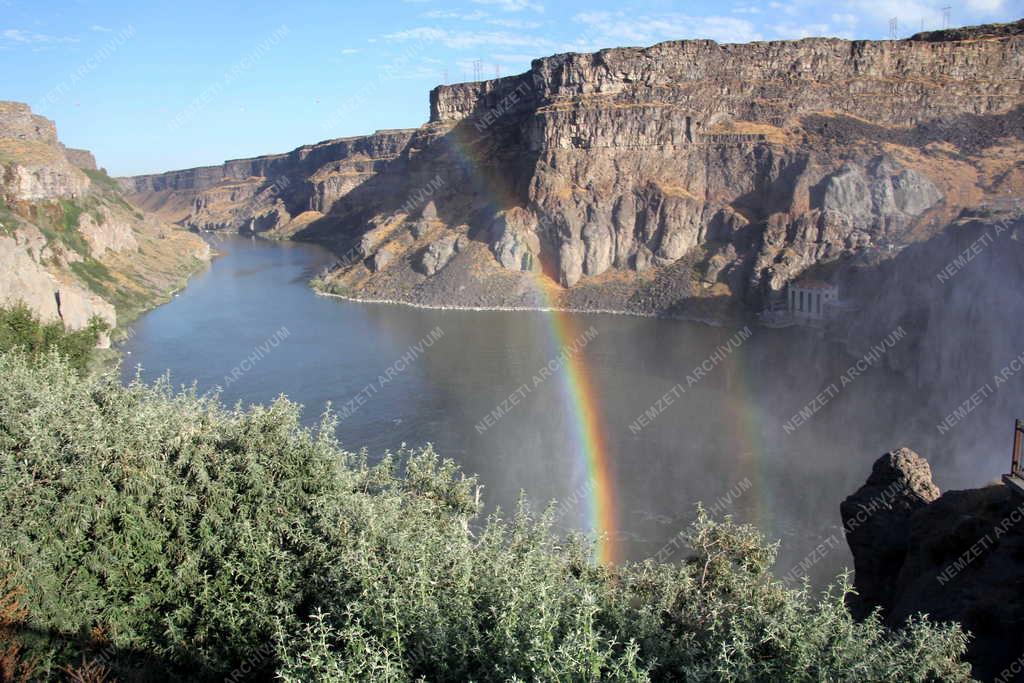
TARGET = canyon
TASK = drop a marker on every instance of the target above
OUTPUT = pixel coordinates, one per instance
(689, 178)
(71, 247)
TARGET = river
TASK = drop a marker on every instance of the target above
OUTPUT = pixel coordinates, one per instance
(251, 326)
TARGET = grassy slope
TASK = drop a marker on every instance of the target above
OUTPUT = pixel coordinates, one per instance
(131, 281)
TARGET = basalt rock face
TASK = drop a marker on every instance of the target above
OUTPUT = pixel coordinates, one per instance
(71, 248)
(82, 158)
(267, 193)
(956, 557)
(729, 169)
(17, 122)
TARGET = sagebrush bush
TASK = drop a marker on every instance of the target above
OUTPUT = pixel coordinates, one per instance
(235, 543)
(21, 329)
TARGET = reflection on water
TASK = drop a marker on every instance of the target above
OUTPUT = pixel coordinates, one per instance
(721, 440)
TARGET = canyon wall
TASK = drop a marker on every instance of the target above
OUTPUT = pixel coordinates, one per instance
(683, 178)
(233, 194)
(71, 247)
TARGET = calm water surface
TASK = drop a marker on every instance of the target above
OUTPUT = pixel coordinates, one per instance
(724, 435)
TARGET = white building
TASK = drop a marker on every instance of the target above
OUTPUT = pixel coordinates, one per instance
(812, 299)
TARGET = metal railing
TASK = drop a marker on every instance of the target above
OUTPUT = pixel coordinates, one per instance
(1017, 468)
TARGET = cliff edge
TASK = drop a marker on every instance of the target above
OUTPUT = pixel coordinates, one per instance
(71, 247)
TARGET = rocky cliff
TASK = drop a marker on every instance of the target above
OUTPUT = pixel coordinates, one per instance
(268, 192)
(71, 247)
(688, 177)
(956, 556)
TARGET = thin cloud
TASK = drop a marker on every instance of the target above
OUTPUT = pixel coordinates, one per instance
(796, 32)
(461, 40)
(513, 5)
(622, 28)
(462, 16)
(483, 17)
(15, 35)
(986, 6)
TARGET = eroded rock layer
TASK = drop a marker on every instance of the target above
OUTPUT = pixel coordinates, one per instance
(71, 247)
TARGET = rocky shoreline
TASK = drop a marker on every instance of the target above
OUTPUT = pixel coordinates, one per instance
(515, 309)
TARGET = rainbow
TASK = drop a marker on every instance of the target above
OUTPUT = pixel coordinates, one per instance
(580, 395)
(587, 437)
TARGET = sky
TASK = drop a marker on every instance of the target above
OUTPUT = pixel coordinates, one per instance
(156, 86)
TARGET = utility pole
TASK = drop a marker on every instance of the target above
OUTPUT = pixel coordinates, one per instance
(894, 28)
(947, 15)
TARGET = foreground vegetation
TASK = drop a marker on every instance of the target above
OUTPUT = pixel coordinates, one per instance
(147, 534)
(21, 329)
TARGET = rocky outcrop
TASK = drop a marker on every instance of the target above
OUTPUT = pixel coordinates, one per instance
(438, 254)
(69, 243)
(25, 279)
(82, 158)
(17, 122)
(107, 231)
(514, 240)
(956, 557)
(747, 164)
(877, 522)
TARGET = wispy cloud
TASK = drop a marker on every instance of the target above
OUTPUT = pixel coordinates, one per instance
(449, 14)
(787, 31)
(100, 29)
(513, 5)
(16, 35)
(623, 28)
(986, 5)
(460, 40)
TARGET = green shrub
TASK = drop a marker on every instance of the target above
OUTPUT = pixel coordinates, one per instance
(102, 180)
(239, 544)
(20, 328)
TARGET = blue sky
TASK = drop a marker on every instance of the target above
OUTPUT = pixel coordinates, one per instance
(152, 86)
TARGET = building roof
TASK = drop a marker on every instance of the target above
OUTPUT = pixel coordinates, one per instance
(813, 284)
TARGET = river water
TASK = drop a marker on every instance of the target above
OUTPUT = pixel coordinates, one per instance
(723, 441)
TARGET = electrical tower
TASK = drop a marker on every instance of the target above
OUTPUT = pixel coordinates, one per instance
(947, 15)
(445, 75)
(477, 69)
(497, 70)
(894, 28)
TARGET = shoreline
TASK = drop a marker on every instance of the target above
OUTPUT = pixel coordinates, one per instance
(519, 309)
